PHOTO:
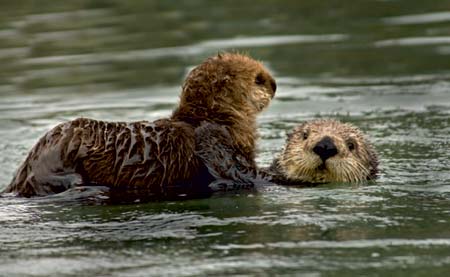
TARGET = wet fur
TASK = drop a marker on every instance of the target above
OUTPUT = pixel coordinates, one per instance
(208, 140)
(298, 164)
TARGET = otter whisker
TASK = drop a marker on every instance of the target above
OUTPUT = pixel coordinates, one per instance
(346, 173)
(363, 172)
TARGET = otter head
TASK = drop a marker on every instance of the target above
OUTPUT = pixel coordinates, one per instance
(226, 87)
(323, 151)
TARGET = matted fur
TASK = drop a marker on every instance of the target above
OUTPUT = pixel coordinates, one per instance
(298, 163)
(216, 114)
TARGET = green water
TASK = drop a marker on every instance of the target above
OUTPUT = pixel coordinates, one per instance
(382, 65)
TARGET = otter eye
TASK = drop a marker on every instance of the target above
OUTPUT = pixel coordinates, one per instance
(259, 80)
(305, 135)
(351, 145)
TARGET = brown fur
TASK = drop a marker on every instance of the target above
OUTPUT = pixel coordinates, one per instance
(179, 155)
(355, 160)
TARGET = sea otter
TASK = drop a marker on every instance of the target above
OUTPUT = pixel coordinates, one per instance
(208, 140)
(322, 151)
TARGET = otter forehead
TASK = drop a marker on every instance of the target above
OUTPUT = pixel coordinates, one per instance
(328, 127)
(226, 66)
(236, 62)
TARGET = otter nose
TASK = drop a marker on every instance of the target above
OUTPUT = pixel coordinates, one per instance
(325, 148)
(273, 84)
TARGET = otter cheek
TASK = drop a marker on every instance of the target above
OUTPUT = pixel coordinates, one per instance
(260, 99)
(334, 172)
(312, 162)
(268, 97)
(265, 102)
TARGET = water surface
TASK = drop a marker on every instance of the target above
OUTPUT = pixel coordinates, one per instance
(382, 65)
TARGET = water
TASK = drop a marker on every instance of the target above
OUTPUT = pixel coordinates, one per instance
(382, 65)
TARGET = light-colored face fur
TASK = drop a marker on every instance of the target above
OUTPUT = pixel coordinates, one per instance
(262, 91)
(322, 151)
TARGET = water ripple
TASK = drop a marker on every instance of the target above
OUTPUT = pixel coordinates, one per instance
(182, 51)
(352, 244)
(425, 18)
(413, 41)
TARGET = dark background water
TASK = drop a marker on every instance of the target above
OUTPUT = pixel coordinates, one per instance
(382, 65)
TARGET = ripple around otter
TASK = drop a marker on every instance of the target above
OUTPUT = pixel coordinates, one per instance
(126, 60)
(413, 41)
(418, 18)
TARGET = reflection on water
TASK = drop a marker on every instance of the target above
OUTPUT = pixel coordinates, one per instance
(381, 65)
(415, 19)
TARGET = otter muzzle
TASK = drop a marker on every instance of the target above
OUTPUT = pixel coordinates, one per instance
(325, 148)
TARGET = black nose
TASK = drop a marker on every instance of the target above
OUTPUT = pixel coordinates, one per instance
(325, 148)
(273, 84)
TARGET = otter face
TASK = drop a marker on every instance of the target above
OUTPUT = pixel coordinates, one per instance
(262, 90)
(322, 151)
(229, 82)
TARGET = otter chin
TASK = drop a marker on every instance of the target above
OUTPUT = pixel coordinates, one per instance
(324, 151)
(208, 140)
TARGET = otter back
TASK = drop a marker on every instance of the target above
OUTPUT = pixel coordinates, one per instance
(155, 156)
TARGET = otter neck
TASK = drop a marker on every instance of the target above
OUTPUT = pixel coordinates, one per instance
(241, 126)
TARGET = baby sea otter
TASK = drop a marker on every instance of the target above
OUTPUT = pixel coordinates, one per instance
(180, 155)
(322, 151)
